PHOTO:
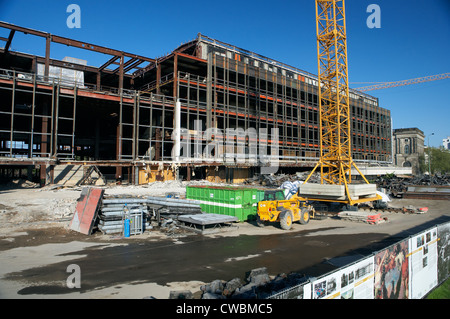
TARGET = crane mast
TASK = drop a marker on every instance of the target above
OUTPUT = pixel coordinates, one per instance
(335, 137)
(333, 90)
(335, 147)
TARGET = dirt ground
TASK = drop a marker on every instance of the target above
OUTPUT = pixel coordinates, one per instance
(34, 233)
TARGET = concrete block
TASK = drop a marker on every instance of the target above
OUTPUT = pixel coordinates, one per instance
(322, 190)
(357, 190)
(255, 272)
(231, 286)
(337, 192)
(215, 287)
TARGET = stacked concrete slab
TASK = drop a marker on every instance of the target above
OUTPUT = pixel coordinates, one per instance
(337, 192)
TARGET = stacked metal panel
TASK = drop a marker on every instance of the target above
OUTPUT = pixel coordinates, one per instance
(114, 212)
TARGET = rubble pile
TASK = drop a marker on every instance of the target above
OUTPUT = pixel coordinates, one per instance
(278, 179)
(61, 209)
(397, 186)
(258, 285)
(19, 183)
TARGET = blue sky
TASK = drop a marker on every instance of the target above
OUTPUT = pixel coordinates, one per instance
(413, 41)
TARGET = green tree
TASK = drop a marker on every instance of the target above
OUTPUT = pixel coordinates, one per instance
(440, 161)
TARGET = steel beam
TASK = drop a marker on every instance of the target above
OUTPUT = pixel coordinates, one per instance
(73, 43)
(58, 63)
(108, 63)
(22, 29)
(133, 66)
(121, 73)
(124, 65)
(175, 76)
(47, 57)
(158, 78)
(96, 48)
(9, 40)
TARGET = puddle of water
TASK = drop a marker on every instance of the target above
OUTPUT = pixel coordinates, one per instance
(197, 259)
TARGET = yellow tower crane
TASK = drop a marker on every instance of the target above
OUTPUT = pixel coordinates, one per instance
(334, 111)
(335, 140)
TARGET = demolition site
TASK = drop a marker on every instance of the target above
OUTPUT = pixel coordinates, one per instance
(211, 172)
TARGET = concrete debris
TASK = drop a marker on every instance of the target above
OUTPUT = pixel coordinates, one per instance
(21, 183)
(258, 276)
(278, 179)
(247, 291)
(258, 285)
(62, 208)
(164, 185)
(397, 186)
(231, 286)
(215, 287)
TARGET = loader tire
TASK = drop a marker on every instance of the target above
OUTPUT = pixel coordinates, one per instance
(304, 217)
(286, 219)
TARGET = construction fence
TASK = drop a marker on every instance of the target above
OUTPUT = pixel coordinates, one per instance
(408, 269)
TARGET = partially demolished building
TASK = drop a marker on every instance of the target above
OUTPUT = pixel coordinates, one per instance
(206, 110)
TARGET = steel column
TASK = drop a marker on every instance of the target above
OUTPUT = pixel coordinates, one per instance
(47, 57)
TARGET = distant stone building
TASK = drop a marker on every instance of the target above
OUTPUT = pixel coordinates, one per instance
(408, 146)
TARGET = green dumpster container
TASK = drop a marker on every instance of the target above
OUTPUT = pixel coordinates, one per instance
(240, 202)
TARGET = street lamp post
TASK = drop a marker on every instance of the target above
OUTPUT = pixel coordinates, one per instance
(429, 157)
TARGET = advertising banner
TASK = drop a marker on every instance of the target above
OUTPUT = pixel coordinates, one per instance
(423, 263)
(357, 280)
(352, 282)
(327, 287)
(408, 269)
(392, 272)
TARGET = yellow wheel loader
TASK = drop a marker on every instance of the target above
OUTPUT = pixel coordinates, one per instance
(285, 211)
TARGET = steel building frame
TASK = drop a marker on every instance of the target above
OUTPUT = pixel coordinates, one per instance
(125, 116)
